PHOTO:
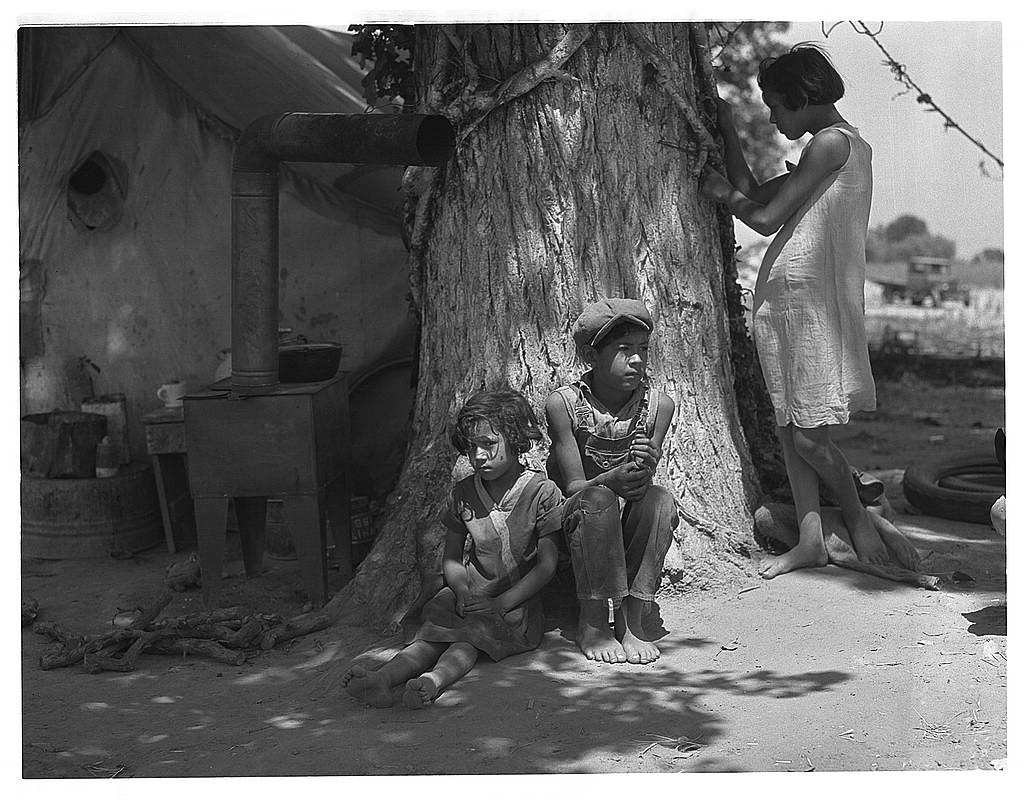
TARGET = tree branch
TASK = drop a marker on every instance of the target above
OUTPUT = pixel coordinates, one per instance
(670, 78)
(471, 108)
(419, 185)
(468, 65)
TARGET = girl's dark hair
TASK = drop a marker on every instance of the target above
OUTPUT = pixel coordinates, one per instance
(804, 76)
(505, 410)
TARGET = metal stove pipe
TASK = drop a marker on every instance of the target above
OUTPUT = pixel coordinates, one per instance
(377, 139)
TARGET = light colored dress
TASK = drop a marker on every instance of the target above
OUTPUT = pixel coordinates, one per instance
(809, 301)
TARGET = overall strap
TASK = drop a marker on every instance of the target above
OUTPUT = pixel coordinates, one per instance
(578, 409)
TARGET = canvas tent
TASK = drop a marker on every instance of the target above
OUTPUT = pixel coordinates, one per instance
(125, 144)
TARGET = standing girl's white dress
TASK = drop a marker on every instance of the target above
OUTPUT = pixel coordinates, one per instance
(809, 301)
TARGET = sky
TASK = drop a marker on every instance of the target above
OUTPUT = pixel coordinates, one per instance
(920, 168)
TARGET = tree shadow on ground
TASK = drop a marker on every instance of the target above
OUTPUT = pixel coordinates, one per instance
(552, 710)
(989, 621)
(545, 711)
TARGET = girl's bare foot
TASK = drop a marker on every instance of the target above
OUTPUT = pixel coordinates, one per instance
(420, 692)
(369, 686)
(805, 554)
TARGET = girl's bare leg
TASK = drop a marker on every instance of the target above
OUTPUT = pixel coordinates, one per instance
(374, 686)
(454, 663)
(810, 547)
(816, 447)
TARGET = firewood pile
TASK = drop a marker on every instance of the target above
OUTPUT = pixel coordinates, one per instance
(228, 635)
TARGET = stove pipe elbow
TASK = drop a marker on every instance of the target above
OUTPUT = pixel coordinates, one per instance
(403, 139)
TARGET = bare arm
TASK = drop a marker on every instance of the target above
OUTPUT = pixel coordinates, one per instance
(824, 154)
(627, 480)
(535, 580)
(452, 567)
(736, 167)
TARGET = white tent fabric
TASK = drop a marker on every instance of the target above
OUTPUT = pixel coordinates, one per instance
(147, 300)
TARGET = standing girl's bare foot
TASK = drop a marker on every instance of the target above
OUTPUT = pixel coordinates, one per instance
(369, 686)
(867, 542)
(897, 544)
(809, 553)
(420, 692)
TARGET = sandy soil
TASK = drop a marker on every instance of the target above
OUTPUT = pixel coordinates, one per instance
(818, 670)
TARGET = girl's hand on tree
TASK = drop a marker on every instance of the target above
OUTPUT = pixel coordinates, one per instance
(715, 186)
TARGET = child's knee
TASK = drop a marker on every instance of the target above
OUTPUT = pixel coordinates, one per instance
(597, 500)
(661, 501)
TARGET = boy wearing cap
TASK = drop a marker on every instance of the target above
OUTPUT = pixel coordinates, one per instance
(606, 433)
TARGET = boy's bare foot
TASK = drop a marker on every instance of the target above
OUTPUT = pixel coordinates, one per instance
(598, 645)
(638, 651)
(420, 692)
(867, 542)
(805, 554)
(592, 634)
(368, 686)
(629, 631)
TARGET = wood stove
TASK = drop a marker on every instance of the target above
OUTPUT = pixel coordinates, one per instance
(251, 437)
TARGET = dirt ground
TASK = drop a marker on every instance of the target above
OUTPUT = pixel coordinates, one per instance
(822, 670)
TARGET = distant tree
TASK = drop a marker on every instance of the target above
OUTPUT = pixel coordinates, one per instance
(989, 255)
(903, 227)
(876, 247)
(925, 245)
(906, 236)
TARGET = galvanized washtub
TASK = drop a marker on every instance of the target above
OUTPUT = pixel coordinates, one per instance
(90, 517)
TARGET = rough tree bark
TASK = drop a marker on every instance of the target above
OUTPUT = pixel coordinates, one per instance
(575, 176)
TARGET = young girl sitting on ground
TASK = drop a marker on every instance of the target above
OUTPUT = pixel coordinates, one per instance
(809, 299)
(505, 519)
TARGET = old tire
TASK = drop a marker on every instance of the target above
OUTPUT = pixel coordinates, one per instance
(933, 487)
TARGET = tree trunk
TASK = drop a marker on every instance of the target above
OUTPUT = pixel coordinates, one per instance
(582, 185)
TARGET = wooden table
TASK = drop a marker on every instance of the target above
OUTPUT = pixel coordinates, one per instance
(165, 443)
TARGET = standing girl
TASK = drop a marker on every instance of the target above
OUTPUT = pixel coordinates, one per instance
(809, 300)
(499, 552)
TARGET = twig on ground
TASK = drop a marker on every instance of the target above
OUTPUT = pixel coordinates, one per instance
(219, 635)
(683, 744)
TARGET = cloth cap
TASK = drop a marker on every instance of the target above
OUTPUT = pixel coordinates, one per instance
(600, 317)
